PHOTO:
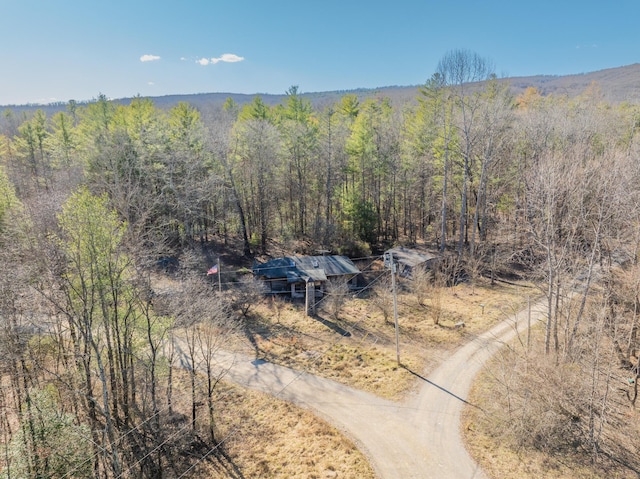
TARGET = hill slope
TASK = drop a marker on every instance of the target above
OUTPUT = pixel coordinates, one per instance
(617, 84)
(621, 84)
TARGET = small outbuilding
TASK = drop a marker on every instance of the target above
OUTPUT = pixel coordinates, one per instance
(409, 259)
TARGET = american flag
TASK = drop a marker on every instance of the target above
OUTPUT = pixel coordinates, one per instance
(213, 270)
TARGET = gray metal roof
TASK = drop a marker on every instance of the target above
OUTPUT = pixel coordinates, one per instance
(302, 268)
(411, 257)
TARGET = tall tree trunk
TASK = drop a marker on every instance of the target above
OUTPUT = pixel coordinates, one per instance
(327, 214)
(463, 207)
(243, 223)
(479, 201)
(443, 211)
(550, 284)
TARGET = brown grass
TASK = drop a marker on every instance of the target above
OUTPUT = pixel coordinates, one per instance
(267, 437)
(271, 438)
(502, 447)
(359, 348)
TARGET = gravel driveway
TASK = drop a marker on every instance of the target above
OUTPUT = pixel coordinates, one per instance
(416, 438)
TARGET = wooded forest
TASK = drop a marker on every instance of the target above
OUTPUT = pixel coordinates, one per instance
(94, 197)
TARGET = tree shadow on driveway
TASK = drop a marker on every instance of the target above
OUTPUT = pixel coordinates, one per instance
(438, 386)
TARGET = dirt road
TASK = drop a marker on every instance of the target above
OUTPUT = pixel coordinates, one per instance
(417, 438)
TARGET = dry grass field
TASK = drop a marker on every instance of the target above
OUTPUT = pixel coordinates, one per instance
(532, 422)
(501, 457)
(267, 437)
(359, 348)
(271, 438)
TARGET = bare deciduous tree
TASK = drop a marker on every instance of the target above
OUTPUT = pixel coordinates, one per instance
(247, 293)
(204, 322)
(421, 283)
(460, 69)
(382, 298)
(336, 292)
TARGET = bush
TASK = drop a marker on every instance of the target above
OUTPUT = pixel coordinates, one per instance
(50, 443)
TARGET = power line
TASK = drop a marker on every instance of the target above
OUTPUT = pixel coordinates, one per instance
(187, 425)
(182, 400)
(201, 382)
(124, 435)
(277, 395)
(237, 428)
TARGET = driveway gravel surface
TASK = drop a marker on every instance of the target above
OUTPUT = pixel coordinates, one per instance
(416, 438)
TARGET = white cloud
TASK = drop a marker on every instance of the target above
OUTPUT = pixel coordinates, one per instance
(225, 57)
(149, 58)
(228, 58)
(150, 83)
(582, 45)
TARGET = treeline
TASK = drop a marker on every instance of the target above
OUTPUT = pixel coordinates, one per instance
(355, 175)
(451, 169)
(91, 197)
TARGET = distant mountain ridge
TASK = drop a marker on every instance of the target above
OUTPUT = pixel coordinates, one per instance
(620, 84)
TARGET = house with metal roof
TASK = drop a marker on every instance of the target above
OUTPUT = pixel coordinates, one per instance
(292, 274)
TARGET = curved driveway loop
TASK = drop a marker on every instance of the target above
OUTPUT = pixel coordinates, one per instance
(416, 438)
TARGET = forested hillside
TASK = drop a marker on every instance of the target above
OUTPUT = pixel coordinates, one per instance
(94, 197)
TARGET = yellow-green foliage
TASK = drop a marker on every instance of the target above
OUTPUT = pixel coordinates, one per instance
(48, 442)
(93, 233)
(8, 199)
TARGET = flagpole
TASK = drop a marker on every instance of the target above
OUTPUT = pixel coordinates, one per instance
(219, 282)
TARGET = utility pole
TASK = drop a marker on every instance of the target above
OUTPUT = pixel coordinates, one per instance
(528, 323)
(391, 264)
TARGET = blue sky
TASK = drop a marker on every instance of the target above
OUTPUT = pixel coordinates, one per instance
(57, 50)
